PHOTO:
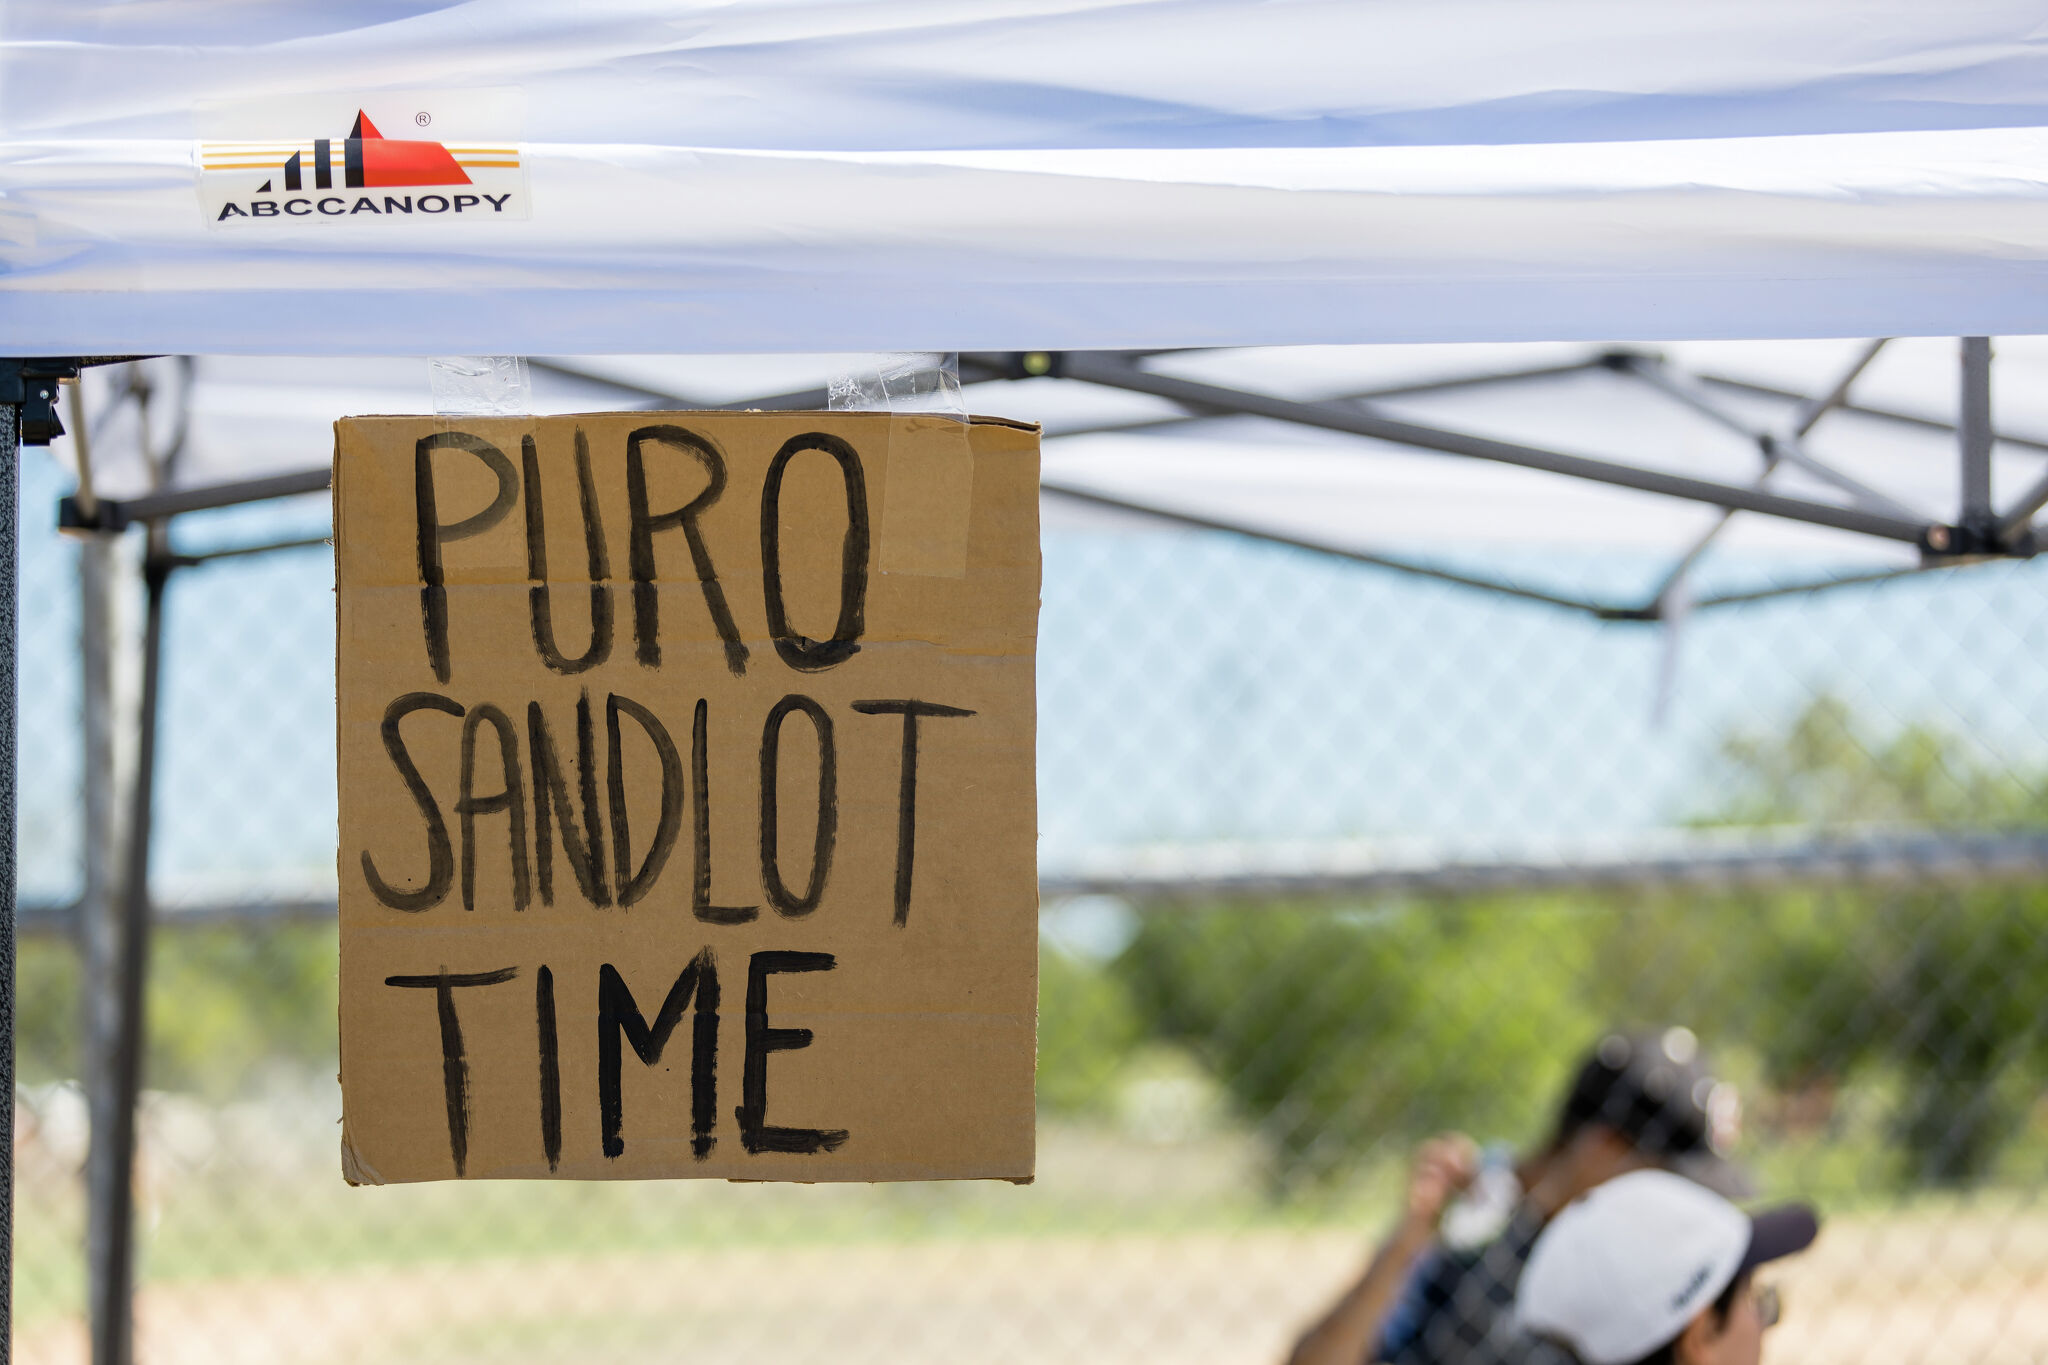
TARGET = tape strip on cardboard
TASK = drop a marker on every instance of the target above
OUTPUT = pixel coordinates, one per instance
(929, 493)
(928, 497)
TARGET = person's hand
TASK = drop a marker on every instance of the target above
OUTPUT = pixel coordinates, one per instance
(1444, 1165)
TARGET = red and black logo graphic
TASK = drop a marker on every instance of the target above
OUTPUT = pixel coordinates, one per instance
(307, 179)
(372, 161)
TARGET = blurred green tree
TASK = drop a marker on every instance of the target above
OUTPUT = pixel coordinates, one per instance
(47, 1017)
(1087, 1032)
(232, 1005)
(1332, 1031)
(228, 1006)
(1941, 985)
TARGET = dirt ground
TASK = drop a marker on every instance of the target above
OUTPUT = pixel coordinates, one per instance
(1911, 1289)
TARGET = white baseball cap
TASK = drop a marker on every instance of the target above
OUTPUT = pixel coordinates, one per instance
(1621, 1271)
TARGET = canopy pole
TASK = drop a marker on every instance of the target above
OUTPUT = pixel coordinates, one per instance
(119, 1088)
(108, 725)
(1974, 437)
(100, 918)
(10, 543)
(112, 1160)
(28, 416)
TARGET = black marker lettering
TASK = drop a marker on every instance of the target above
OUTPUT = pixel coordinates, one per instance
(440, 856)
(550, 1066)
(700, 779)
(466, 201)
(906, 790)
(640, 544)
(454, 1066)
(230, 210)
(498, 201)
(433, 535)
(828, 807)
(511, 800)
(756, 1135)
(800, 651)
(363, 205)
(619, 1016)
(551, 802)
(539, 607)
(633, 887)
(397, 204)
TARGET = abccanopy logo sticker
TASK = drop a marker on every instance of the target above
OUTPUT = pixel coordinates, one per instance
(365, 176)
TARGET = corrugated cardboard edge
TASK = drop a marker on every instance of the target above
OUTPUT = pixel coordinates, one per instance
(1013, 423)
(354, 1169)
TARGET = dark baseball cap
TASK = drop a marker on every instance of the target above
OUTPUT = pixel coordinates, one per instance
(1653, 1087)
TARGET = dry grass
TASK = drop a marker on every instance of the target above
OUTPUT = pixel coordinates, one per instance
(1914, 1288)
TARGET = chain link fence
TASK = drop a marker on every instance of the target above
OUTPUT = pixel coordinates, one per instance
(1259, 987)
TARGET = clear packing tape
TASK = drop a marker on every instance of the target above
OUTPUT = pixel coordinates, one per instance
(928, 495)
(480, 386)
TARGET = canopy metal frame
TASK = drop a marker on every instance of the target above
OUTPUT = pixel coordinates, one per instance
(1980, 530)
(1978, 533)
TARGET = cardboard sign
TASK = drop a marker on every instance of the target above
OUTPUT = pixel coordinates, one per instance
(687, 829)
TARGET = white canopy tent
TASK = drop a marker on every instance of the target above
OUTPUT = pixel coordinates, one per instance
(1052, 174)
(1061, 193)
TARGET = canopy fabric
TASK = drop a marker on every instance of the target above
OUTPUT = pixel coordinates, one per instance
(943, 175)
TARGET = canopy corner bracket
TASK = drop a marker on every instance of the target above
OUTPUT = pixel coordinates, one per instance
(30, 387)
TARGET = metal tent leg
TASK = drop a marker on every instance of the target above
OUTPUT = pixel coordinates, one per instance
(108, 674)
(10, 545)
(101, 907)
(28, 416)
(1974, 438)
(111, 1195)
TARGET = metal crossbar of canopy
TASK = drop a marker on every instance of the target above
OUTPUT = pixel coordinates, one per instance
(1940, 526)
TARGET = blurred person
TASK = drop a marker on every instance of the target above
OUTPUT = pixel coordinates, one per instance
(1440, 1289)
(1651, 1269)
